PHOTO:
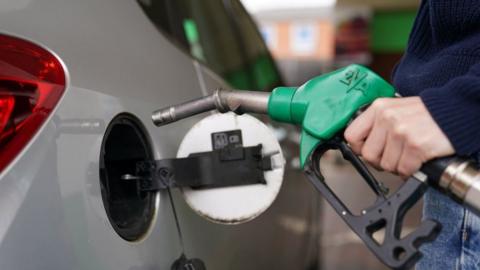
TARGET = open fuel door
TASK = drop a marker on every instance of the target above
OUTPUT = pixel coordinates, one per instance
(229, 168)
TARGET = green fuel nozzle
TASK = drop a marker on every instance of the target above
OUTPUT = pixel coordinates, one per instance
(322, 106)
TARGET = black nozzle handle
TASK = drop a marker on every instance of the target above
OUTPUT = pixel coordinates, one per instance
(435, 168)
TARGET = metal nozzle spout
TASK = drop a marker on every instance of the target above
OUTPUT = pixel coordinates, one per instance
(174, 113)
(238, 101)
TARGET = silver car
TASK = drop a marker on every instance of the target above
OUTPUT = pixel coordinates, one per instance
(78, 82)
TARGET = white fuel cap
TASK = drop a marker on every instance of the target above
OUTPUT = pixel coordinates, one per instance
(239, 204)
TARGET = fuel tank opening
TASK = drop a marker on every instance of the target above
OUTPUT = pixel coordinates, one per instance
(129, 210)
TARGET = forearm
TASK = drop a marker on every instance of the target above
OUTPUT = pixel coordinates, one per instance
(455, 107)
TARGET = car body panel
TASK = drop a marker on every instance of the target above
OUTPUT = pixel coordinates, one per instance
(50, 201)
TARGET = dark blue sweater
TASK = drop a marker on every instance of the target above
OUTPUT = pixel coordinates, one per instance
(442, 66)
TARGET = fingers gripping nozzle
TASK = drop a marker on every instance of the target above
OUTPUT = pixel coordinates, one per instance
(238, 101)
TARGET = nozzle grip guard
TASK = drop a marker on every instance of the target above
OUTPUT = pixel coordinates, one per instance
(388, 213)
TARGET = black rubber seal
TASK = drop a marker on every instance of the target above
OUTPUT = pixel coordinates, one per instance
(129, 210)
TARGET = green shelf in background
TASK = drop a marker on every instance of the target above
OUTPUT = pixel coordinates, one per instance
(390, 30)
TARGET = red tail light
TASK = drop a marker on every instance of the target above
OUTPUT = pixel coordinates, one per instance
(32, 81)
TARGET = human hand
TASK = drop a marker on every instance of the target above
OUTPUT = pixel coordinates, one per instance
(397, 135)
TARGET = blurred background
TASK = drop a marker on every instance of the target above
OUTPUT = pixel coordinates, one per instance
(307, 37)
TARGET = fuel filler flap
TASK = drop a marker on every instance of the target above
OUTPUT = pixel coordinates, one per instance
(239, 203)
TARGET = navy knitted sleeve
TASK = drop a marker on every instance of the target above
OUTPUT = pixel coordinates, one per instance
(455, 107)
